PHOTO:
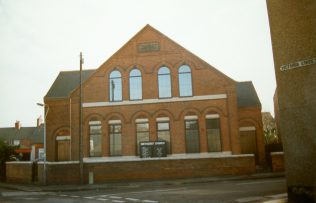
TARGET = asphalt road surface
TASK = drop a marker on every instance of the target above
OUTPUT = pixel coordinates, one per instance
(241, 191)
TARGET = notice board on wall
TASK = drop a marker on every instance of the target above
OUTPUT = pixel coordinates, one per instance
(153, 149)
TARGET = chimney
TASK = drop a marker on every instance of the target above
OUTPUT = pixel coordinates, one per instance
(39, 121)
(17, 125)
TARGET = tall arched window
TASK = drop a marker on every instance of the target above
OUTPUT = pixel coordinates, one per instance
(135, 85)
(185, 81)
(115, 85)
(164, 82)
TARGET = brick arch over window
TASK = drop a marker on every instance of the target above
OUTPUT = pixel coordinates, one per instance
(248, 122)
(117, 115)
(188, 112)
(213, 110)
(118, 68)
(140, 67)
(92, 117)
(140, 114)
(61, 130)
(157, 66)
(189, 63)
(163, 113)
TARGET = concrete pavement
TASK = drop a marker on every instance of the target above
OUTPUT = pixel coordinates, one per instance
(146, 184)
(112, 185)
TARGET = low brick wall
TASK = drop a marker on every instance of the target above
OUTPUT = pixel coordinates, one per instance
(59, 172)
(19, 172)
(170, 169)
(102, 170)
(277, 161)
(147, 169)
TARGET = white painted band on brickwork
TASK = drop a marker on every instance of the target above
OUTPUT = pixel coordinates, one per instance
(19, 162)
(65, 137)
(142, 120)
(216, 155)
(58, 162)
(190, 117)
(212, 116)
(276, 153)
(154, 101)
(248, 128)
(115, 121)
(163, 119)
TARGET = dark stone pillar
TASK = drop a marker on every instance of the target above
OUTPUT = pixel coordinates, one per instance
(293, 33)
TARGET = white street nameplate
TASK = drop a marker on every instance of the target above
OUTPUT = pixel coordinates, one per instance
(298, 64)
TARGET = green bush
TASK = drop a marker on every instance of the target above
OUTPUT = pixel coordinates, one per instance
(6, 154)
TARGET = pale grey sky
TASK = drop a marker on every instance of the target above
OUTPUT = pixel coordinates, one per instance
(39, 38)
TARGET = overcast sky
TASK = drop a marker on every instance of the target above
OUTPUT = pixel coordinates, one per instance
(39, 38)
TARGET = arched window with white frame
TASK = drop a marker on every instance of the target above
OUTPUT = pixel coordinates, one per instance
(164, 82)
(185, 81)
(135, 85)
(115, 85)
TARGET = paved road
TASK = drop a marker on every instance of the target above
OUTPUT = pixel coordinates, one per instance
(247, 191)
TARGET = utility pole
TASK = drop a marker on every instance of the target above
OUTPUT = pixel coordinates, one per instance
(80, 126)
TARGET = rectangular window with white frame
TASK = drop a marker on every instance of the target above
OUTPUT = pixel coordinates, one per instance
(192, 136)
(115, 128)
(142, 132)
(213, 133)
(95, 138)
(163, 132)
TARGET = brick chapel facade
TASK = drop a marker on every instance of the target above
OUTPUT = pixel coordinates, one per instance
(152, 89)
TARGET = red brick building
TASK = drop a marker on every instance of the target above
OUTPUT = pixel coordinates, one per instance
(28, 140)
(153, 89)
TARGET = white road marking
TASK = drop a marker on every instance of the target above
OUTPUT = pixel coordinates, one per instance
(31, 198)
(148, 191)
(249, 199)
(92, 197)
(102, 199)
(132, 199)
(276, 201)
(74, 196)
(118, 201)
(260, 182)
(62, 195)
(149, 201)
(283, 195)
(88, 197)
(115, 197)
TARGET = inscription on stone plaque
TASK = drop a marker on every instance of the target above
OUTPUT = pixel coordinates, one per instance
(148, 47)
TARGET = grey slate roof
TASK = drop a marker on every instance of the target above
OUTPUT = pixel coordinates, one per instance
(34, 134)
(66, 82)
(247, 95)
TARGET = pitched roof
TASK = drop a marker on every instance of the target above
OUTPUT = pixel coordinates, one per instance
(66, 82)
(34, 134)
(247, 95)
